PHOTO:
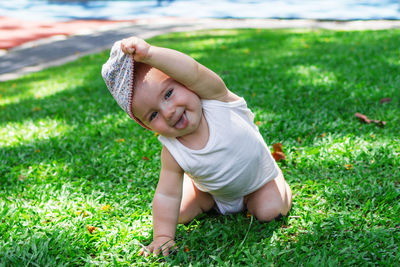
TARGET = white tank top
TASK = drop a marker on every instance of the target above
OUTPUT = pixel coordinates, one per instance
(235, 161)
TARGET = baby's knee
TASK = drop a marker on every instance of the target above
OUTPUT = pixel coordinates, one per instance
(268, 214)
(184, 217)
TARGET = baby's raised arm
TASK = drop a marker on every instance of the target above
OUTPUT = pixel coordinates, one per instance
(179, 66)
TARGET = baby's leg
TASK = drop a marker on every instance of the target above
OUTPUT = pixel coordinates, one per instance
(193, 201)
(271, 200)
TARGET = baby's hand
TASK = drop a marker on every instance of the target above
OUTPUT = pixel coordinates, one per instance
(160, 244)
(136, 46)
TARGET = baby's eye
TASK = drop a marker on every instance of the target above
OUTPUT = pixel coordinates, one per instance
(169, 93)
(153, 115)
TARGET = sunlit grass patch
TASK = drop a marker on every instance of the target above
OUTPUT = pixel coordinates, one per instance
(23, 133)
(314, 75)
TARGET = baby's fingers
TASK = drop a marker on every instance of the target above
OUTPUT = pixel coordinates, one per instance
(158, 248)
(126, 48)
(164, 250)
(167, 248)
(144, 251)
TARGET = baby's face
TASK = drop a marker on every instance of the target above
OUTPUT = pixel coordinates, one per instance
(166, 106)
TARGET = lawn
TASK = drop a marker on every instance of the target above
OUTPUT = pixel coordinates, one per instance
(77, 175)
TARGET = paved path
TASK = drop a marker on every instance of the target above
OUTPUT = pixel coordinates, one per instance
(57, 50)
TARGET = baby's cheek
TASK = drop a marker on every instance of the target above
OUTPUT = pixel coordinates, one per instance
(160, 127)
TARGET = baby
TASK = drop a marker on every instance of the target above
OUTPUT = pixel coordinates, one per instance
(213, 155)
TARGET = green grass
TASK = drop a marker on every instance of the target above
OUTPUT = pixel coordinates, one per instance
(70, 158)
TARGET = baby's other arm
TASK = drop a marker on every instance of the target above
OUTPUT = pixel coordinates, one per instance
(181, 67)
(166, 205)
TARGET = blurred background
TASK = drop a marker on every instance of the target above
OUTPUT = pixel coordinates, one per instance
(54, 31)
(62, 10)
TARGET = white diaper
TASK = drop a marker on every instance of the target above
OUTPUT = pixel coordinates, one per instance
(229, 206)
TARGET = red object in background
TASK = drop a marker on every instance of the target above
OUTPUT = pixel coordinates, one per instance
(15, 32)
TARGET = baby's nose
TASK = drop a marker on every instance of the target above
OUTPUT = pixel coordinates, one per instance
(168, 111)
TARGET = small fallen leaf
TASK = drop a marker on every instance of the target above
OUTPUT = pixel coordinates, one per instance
(277, 152)
(362, 117)
(299, 139)
(36, 109)
(323, 135)
(248, 215)
(365, 119)
(91, 229)
(258, 123)
(186, 249)
(278, 156)
(277, 147)
(37, 150)
(145, 158)
(385, 100)
(348, 166)
(120, 140)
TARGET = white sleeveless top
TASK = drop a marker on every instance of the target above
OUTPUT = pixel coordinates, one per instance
(235, 161)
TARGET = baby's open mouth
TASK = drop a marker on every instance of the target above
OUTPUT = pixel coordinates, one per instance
(182, 122)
